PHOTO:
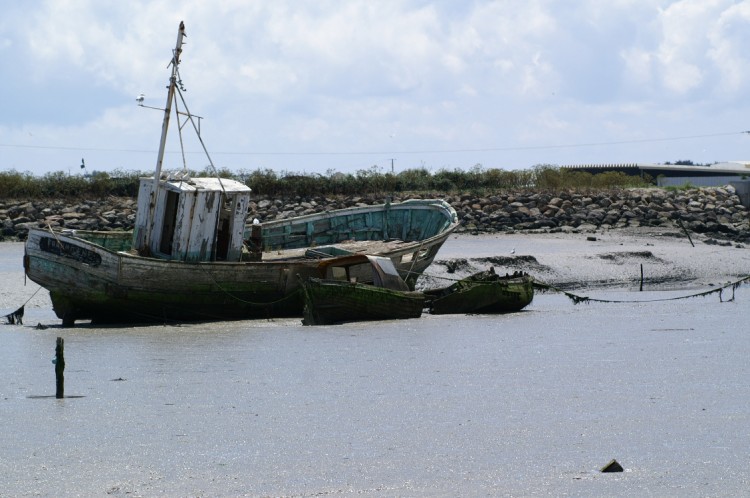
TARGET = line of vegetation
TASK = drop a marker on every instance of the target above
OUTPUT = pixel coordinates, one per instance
(267, 182)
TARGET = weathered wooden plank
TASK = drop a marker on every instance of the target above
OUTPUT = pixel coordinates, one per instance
(239, 206)
(202, 231)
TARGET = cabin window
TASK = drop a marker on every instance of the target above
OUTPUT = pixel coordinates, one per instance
(170, 220)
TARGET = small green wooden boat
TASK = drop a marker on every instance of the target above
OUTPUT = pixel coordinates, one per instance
(358, 288)
(483, 292)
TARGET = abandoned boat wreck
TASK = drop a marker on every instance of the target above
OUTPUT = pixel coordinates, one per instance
(483, 292)
(358, 288)
(192, 255)
(102, 276)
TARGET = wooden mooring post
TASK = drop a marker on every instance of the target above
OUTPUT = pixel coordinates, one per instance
(59, 368)
(641, 276)
(679, 221)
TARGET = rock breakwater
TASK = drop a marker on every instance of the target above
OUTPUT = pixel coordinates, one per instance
(717, 212)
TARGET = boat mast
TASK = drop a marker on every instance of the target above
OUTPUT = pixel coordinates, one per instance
(170, 97)
(164, 128)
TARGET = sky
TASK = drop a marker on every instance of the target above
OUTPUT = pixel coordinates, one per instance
(349, 86)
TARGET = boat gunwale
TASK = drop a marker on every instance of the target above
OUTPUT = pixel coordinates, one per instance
(438, 205)
(402, 249)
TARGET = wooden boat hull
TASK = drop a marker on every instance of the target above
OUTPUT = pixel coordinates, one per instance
(87, 281)
(409, 232)
(95, 275)
(335, 301)
(482, 293)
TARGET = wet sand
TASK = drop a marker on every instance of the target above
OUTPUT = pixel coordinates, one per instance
(524, 404)
(595, 259)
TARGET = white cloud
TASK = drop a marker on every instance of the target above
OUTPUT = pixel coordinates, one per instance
(692, 47)
(730, 39)
(638, 66)
(683, 44)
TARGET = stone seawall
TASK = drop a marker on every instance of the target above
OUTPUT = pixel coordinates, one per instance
(713, 211)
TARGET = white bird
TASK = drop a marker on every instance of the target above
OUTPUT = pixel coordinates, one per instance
(140, 99)
(513, 251)
(256, 221)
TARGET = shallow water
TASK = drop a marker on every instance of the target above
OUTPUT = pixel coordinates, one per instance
(529, 403)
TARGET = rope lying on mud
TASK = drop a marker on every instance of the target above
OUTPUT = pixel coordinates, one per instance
(16, 317)
(585, 299)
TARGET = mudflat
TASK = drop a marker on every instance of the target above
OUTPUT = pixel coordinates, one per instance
(575, 260)
(523, 404)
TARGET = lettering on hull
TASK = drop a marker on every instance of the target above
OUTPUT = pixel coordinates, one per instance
(68, 250)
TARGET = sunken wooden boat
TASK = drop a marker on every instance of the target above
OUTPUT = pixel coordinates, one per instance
(192, 255)
(483, 292)
(358, 288)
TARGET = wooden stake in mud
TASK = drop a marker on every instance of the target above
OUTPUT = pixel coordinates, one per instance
(59, 368)
(679, 221)
(641, 276)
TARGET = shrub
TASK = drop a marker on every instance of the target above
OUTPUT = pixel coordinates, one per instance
(266, 182)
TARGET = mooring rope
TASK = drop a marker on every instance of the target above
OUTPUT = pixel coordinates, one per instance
(585, 299)
(251, 303)
(414, 258)
(32, 296)
(19, 310)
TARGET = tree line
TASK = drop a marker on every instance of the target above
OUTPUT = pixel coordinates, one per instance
(266, 182)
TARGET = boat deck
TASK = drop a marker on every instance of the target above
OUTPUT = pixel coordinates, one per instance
(371, 247)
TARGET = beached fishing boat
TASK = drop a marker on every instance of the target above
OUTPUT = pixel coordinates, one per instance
(358, 288)
(483, 292)
(192, 255)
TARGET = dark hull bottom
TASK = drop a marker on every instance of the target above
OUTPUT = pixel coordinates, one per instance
(168, 311)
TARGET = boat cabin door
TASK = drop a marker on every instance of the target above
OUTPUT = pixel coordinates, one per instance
(170, 220)
(223, 231)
